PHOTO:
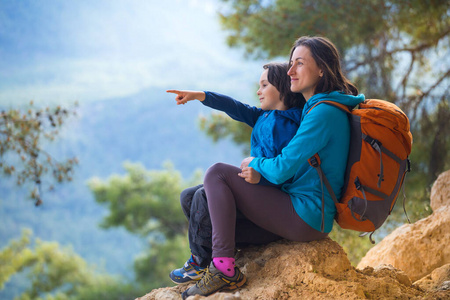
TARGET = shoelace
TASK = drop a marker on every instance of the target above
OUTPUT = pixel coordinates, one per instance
(206, 279)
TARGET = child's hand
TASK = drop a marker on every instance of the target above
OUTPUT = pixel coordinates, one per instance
(250, 175)
(185, 96)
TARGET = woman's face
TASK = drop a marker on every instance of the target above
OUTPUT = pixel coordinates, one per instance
(304, 72)
(269, 96)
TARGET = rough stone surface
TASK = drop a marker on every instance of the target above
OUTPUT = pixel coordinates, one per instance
(440, 192)
(439, 279)
(315, 270)
(417, 248)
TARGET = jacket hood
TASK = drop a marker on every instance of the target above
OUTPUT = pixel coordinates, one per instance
(294, 114)
(336, 96)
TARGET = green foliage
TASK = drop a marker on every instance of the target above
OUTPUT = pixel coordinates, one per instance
(144, 202)
(111, 290)
(268, 29)
(369, 35)
(21, 152)
(147, 203)
(355, 246)
(14, 257)
(54, 273)
(153, 267)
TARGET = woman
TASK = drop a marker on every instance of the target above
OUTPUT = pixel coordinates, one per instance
(274, 125)
(295, 211)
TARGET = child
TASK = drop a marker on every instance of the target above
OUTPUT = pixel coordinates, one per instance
(274, 125)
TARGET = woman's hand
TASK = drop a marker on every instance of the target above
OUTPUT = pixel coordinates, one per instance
(246, 161)
(250, 175)
(184, 96)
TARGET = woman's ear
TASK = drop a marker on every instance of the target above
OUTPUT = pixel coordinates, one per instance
(321, 73)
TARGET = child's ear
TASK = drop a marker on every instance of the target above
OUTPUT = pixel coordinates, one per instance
(321, 73)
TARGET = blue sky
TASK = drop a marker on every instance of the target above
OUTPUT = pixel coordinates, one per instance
(60, 51)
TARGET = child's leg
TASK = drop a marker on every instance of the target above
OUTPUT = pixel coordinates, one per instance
(186, 199)
(200, 229)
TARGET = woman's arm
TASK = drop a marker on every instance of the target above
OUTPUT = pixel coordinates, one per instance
(312, 136)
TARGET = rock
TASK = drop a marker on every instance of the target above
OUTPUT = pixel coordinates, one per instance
(440, 192)
(439, 279)
(417, 248)
(314, 270)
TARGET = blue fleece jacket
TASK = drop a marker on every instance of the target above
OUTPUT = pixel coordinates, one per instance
(272, 129)
(324, 130)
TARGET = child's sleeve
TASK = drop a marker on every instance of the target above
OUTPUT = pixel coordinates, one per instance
(236, 110)
(283, 131)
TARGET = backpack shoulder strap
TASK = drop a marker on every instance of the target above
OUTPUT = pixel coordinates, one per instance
(314, 161)
(342, 107)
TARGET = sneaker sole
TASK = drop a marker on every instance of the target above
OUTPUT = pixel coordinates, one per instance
(187, 281)
(229, 287)
(235, 286)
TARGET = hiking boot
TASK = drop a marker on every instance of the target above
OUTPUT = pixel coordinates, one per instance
(213, 280)
(191, 271)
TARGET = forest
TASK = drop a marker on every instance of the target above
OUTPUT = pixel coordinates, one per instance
(105, 177)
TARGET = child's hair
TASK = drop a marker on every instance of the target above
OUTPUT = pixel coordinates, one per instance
(328, 60)
(278, 77)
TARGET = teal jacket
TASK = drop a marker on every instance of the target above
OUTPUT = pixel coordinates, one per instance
(324, 130)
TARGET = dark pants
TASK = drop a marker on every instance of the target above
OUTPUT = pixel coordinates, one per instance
(195, 207)
(267, 207)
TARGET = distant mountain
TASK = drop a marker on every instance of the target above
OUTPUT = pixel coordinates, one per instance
(148, 128)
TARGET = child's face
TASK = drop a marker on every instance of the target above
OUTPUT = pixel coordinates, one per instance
(269, 96)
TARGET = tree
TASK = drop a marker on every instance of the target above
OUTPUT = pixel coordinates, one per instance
(21, 151)
(53, 272)
(146, 203)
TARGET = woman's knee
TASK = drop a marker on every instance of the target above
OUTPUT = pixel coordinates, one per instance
(215, 168)
(219, 170)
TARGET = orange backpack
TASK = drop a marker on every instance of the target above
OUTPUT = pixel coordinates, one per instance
(377, 163)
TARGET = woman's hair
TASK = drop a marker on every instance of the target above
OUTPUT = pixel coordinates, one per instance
(278, 77)
(328, 60)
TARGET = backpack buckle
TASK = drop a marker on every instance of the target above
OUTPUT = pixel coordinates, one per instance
(357, 183)
(373, 142)
(314, 161)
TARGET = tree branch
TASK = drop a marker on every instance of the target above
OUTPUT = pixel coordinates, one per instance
(425, 94)
(412, 50)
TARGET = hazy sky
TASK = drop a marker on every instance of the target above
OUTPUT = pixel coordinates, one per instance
(82, 50)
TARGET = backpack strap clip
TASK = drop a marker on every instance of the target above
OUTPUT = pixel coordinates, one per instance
(370, 236)
(314, 161)
(377, 145)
